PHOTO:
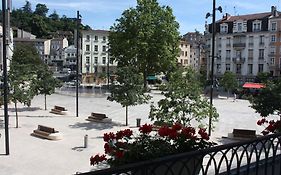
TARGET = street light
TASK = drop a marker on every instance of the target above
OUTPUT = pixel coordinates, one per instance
(77, 60)
(108, 73)
(213, 58)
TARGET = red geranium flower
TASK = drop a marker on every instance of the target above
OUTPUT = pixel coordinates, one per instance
(145, 129)
(176, 126)
(202, 132)
(107, 148)
(164, 131)
(188, 132)
(109, 136)
(119, 154)
(97, 159)
(173, 134)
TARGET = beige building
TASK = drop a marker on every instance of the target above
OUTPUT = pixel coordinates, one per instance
(96, 62)
(184, 56)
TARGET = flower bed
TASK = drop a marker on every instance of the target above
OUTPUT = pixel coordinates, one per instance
(123, 147)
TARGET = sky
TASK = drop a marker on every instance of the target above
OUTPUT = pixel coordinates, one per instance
(190, 14)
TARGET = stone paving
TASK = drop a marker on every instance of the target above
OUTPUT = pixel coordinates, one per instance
(32, 156)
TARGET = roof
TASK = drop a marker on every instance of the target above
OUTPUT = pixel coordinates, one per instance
(96, 31)
(30, 40)
(253, 85)
(245, 17)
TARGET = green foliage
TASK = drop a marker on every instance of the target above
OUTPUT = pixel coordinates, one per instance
(229, 81)
(38, 24)
(41, 10)
(183, 102)
(128, 91)
(263, 77)
(146, 36)
(268, 100)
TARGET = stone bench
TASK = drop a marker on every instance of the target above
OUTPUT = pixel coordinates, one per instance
(98, 117)
(242, 134)
(47, 132)
(59, 110)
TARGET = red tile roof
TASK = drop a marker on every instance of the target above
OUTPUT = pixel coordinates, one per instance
(245, 17)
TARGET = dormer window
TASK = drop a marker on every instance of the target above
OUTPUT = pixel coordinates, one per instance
(223, 28)
(239, 27)
(256, 26)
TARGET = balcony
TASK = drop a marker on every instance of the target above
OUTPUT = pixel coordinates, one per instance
(238, 60)
(261, 44)
(96, 52)
(250, 44)
(272, 54)
(228, 45)
(87, 52)
(273, 67)
(254, 156)
(239, 45)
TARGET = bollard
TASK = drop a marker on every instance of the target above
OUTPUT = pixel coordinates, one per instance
(86, 141)
(138, 122)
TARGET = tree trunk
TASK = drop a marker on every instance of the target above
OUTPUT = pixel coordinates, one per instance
(228, 93)
(144, 80)
(126, 115)
(17, 118)
(45, 101)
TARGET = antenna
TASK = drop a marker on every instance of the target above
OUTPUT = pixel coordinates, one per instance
(235, 11)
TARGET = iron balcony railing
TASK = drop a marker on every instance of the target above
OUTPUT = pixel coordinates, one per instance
(260, 156)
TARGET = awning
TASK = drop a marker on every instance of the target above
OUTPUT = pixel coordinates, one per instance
(151, 77)
(253, 85)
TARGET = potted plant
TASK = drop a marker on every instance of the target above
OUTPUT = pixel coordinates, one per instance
(124, 147)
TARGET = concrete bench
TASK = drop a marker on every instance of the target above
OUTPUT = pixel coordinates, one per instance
(47, 132)
(59, 110)
(244, 133)
(98, 117)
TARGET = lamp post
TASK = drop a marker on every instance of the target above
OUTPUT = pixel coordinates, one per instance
(77, 60)
(5, 80)
(213, 59)
(108, 73)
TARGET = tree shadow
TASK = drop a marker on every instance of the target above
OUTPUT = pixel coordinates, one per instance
(23, 109)
(94, 125)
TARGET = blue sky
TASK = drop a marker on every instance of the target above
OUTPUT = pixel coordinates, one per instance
(101, 14)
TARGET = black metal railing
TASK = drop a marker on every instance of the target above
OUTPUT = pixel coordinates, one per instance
(260, 156)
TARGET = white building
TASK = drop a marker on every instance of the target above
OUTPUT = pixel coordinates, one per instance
(9, 49)
(246, 45)
(70, 57)
(96, 63)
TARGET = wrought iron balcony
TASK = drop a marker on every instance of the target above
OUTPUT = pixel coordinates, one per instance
(272, 54)
(239, 45)
(254, 156)
(238, 60)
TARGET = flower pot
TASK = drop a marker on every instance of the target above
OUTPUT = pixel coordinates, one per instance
(176, 167)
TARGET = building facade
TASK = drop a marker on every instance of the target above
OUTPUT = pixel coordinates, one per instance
(96, 62)
(184, 56)
(9, 49)
(246, 45)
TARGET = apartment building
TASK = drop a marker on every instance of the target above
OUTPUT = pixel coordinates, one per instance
(96, 62)
(70, 57)
(9, 49)
(197, 58)
(184, 55)
(246, 45)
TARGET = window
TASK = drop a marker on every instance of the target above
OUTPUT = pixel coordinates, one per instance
(182, 53)
(227, 67)
(96, 60)
(223, 28)
(250, 54)
(96, 48)
(250, 68)
(238, 68)
(251, 40)
(104, 48)
(87, 60)
(239, 27)
(256, 26)
(273, 38)
(228, 42)
(261, 39)
(227, 54)
(219, 54)
(103, 60)
(261, 54)
(96, 38)
(104, 38)
(218, 68)
(111, 61)
(88, 37)
(96, 69)
(272, 61)
(185, 53)
(238, 53)
(273, 26)
(87, 47)
(87, 69)
(260, 68)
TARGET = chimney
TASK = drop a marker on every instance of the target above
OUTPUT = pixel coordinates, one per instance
(226, 16)
(274, 11)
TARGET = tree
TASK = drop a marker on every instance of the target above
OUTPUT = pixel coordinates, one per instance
(24, 67)
(146, 36)
(41, 10)
(268, 100)
(54, 16)
(128, 91)
(27, 7)
(262, 77)
(45, 82)
(229, 81)
(183, 102)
